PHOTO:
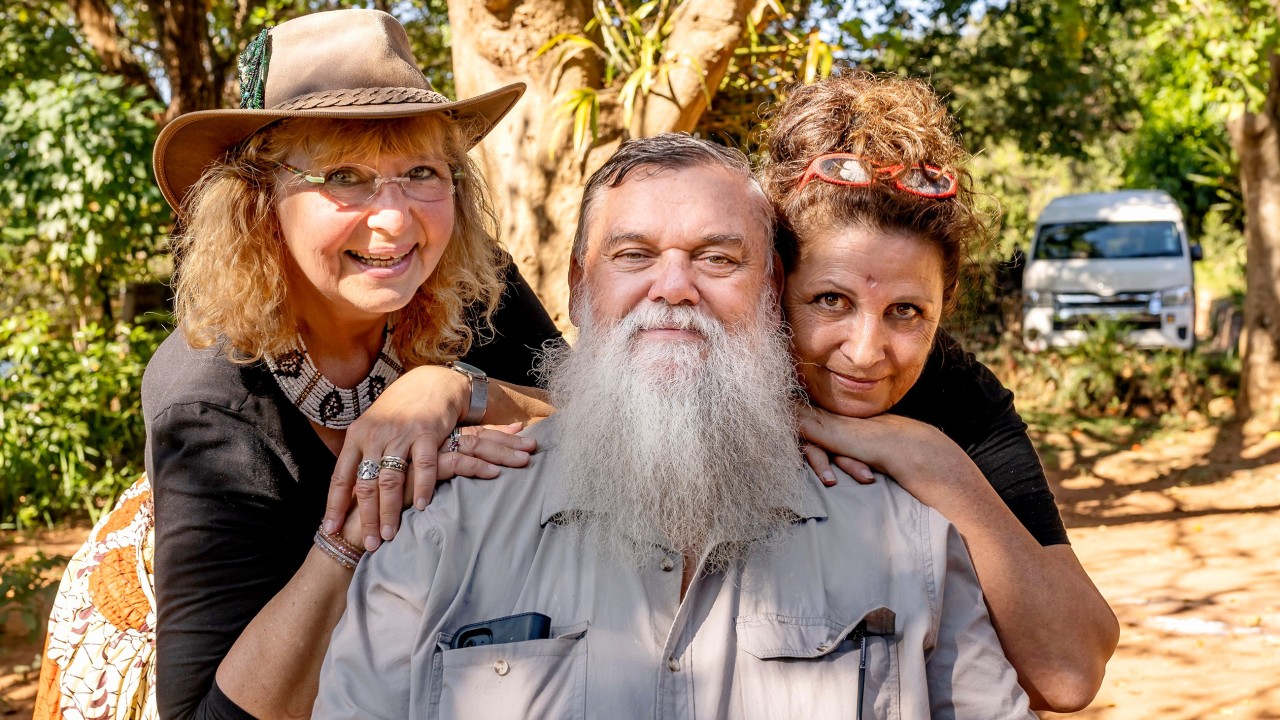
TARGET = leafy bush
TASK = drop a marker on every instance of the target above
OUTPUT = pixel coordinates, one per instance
(71, 431)
(1105, 376)
(79, 213)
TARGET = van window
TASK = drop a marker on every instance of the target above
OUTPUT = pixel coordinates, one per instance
(1104, 240)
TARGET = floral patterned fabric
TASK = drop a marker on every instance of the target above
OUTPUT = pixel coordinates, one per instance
(99, 656)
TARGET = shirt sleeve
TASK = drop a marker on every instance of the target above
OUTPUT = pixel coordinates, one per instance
(962, 397)
(223, 548)
(367, 672)
(521, 326)
(968, 675)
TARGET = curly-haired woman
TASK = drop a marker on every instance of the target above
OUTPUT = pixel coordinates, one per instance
(877, 213)
(336, 236)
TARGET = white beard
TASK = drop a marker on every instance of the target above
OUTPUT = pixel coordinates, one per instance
(688, 444)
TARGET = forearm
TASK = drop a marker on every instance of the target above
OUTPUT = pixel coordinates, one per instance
(1054, 625)
(510, 403)
(273, 669)
(431, 386)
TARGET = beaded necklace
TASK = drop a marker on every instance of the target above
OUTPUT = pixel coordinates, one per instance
(319, 399)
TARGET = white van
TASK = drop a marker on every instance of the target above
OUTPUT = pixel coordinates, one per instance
(1118, 254)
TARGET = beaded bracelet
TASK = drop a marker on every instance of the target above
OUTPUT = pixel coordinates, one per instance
(337, 547)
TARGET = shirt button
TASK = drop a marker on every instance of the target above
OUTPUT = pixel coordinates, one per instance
(501, 667)
(666, 564)
(673, 664)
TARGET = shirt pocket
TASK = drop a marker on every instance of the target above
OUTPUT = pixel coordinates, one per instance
(805, 667)
(529, 679)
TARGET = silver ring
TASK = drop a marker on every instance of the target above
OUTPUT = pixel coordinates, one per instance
(367, 470)
(454, 441)
(391, 462)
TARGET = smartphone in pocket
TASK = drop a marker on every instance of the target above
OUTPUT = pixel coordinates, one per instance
(513, 628)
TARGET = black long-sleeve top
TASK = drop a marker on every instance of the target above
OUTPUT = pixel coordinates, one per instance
(963, 398)
(239, 483)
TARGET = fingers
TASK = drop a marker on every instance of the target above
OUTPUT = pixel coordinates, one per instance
(426, 470)
(341, 487)
(857, 469)
(821, 464)
(367, 499)
(479, 453)
(453, 464)
(820, 461)
(391, 484)
(496, 446)
(422, 472)
(504, 434)
(472, 459)
(510, 428)
(813, 429)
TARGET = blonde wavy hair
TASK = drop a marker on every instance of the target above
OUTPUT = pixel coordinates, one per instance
(889, 121)
(232, 286)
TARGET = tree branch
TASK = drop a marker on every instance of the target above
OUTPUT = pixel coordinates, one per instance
(98, 23)
(697, 54)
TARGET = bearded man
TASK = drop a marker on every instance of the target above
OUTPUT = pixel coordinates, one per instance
(666, 553)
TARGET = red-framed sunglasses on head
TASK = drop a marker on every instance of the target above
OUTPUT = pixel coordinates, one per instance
(855, 171)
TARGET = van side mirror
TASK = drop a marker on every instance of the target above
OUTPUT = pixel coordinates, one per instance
(1197, 252)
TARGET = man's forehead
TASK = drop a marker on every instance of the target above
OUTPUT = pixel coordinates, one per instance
(707, 203)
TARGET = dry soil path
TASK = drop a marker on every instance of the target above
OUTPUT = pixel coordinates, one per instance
(1181, 533)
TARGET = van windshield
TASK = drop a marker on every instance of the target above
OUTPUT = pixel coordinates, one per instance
(1104, 240)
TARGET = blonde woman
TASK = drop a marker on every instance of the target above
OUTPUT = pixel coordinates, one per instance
(336, 237)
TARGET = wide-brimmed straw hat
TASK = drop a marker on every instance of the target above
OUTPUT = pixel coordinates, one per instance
(337, 64)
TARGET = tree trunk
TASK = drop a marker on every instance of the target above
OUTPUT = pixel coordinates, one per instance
(536, 176)
(1256, 137)
(527, 159)
(182, 34)
(704, 35)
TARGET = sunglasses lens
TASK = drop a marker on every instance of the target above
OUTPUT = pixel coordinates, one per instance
(927, 181)
(845, 170)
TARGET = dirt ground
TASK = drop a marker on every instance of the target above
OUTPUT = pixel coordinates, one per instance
(1179, 529)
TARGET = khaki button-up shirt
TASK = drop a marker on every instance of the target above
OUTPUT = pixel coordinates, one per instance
(869, 600)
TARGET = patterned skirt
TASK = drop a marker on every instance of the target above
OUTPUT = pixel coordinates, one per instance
(99, 656)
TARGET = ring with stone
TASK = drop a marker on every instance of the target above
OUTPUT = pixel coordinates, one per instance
(455, 438)
(367, 470)
(391, 462)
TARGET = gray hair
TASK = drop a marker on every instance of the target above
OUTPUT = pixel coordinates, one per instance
(668, 151)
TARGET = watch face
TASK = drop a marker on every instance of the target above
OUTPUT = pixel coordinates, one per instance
(468, 369)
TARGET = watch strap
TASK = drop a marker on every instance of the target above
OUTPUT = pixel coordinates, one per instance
(479, 391)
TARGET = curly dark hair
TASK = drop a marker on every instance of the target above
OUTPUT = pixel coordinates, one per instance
(887, 120)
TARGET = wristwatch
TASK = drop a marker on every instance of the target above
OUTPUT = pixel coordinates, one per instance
(479, 391)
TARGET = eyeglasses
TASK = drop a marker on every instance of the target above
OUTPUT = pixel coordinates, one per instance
(852, 170)
(352, 184)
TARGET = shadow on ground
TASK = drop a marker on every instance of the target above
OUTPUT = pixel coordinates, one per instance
(1179, 530)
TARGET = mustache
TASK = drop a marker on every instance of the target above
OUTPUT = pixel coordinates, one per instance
(652, 315)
